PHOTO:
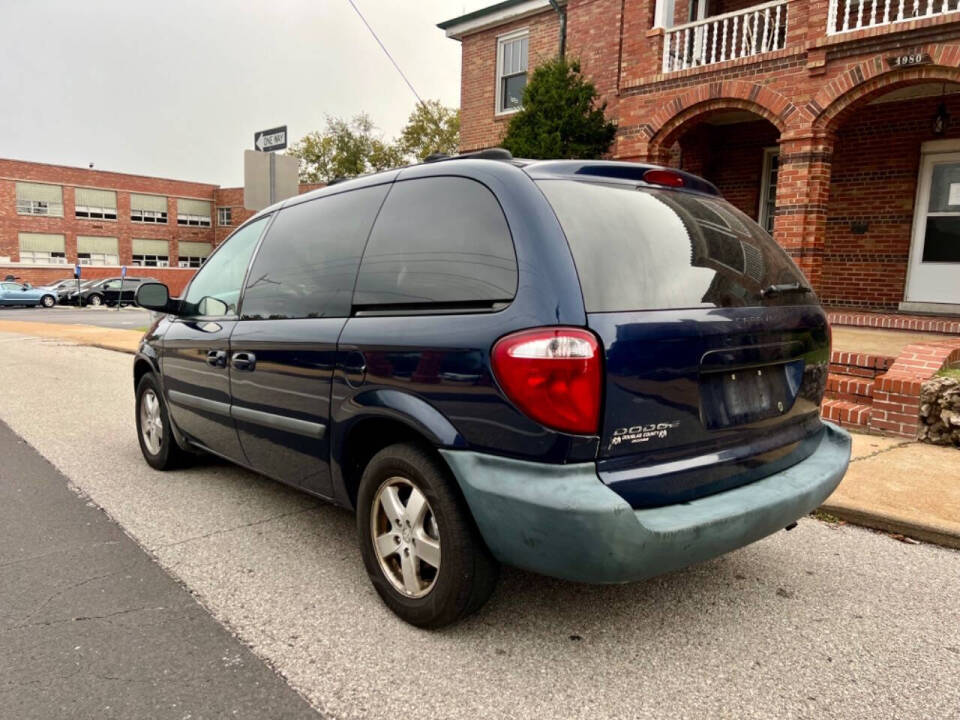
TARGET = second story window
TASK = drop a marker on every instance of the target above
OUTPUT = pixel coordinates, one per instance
(39, 199)
(148, 208)
(193, 212)
(511, 70)
(224, 216)
(95, 204)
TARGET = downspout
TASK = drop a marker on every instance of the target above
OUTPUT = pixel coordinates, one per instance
(562, 15)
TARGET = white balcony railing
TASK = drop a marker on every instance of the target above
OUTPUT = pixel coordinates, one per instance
(847, 15)
(756, 30)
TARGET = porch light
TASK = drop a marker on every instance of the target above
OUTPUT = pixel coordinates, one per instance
(941, 121)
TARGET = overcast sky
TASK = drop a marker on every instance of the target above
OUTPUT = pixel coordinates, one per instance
(176, 88)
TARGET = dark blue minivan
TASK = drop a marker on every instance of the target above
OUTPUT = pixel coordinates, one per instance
(600, 371)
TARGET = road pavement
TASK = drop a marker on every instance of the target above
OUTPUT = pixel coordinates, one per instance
(92, 627)
(823, 621)
(128, 318)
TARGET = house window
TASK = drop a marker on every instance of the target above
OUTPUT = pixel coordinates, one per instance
(95, 204)
(195, 213)
(40, 257)
(95, 250)
(141, 260)
(39, 199)
(768, 188)
(224, 216)
(192, 254)
(42, 249)
(148, 208)
(511, 70)
(151, 253)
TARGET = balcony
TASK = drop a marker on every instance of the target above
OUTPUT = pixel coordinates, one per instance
(753, 31)
(850, 15)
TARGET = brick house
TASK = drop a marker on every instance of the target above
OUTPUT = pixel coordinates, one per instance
(53, 216)
(834, 123)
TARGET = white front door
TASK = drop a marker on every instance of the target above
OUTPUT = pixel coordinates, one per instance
(933, 275)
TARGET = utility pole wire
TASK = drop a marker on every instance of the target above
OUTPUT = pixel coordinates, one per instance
(387, 52)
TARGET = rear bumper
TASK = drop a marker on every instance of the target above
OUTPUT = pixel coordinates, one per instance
(561, 520)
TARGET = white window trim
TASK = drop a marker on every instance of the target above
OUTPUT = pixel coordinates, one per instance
(501, 39)
(768, 153)
(219, 215)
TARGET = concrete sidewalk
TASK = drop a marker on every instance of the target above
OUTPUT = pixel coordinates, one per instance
(107, 338)
(893, 484)
(901, 486)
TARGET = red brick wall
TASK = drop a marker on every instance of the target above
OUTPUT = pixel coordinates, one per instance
(125, 230)
(874, 182)
(11, 224)
(480, 126)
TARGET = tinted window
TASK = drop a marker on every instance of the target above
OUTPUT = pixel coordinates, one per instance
(307, 264)
(642, 249)
(438, 240)
(222, 275)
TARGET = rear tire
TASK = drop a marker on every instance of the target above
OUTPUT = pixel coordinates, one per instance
(424, 585)
(48, 301)
(157, 443)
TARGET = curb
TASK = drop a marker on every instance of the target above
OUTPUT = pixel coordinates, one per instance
(892, 524)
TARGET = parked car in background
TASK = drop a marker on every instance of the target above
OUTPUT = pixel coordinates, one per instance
(61, 288)
(107, 291)
(599, 371)
(68, 295)
(12, 293)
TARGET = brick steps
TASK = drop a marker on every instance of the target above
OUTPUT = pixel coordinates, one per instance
(846, 414)
(848, 400)
(849, 388)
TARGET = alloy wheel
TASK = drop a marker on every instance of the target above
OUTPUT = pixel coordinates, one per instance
(406, 538)
(151, 423)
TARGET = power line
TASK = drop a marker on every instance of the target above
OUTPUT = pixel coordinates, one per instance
(387, 52)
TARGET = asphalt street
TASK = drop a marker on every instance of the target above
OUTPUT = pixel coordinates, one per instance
(128, 318)
(91, 626)
(823, 621)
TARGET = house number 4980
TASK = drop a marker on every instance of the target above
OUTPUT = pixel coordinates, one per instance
(907, 60)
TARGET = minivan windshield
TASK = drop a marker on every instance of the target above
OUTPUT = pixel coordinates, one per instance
(651, 249)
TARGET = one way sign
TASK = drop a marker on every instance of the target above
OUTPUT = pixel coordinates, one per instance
(270, 140)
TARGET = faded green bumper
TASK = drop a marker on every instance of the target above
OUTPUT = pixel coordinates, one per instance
(561, 520)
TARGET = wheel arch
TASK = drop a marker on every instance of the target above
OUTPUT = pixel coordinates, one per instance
(378, 419)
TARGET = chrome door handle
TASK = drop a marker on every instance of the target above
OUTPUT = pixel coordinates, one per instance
(244, 361)
(217, 358)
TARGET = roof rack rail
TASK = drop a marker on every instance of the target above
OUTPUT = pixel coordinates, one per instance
(487, 154)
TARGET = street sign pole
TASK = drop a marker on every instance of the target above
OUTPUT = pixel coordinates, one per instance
(123, 278)
(76, 274)
(273, 177)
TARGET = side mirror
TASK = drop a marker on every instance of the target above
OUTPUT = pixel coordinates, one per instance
(213, 307)
(154, 296)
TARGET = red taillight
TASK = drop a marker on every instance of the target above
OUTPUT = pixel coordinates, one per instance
(664, 177)
(553, 375)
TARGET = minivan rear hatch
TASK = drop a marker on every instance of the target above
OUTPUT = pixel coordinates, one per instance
(716, 351)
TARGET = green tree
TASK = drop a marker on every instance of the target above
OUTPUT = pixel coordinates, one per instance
(561, 116)
(431, 128)
(344, 149)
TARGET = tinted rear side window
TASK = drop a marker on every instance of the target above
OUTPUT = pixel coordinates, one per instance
(645, 249)
(307, 264)
(438, 241)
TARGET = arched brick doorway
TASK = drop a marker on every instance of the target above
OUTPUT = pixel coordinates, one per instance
(892, 229)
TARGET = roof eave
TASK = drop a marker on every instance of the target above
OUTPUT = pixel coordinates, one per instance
(485, 18)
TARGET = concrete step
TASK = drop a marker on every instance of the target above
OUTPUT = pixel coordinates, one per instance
(846, 414)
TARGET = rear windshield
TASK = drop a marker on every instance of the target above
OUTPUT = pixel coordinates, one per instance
(648, 249)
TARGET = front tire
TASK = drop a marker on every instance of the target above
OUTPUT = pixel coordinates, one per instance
(157, 443)
(95, 301)
(420, 547)
(48, 301)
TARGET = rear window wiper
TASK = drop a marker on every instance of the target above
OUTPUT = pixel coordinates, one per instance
(784, 288)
